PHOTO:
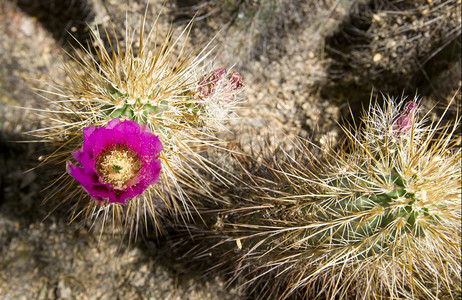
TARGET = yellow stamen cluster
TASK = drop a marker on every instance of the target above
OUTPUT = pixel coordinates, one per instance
(117, 167)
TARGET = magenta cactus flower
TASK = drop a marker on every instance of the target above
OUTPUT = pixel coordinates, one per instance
(119, 161)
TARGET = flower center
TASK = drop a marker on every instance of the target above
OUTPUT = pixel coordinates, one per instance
(117, 166)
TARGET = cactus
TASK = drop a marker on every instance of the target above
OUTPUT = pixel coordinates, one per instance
(166, 88)
(377, 218)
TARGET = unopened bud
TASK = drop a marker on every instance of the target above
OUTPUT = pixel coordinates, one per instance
(403, 122)
(208, 82)
(236, 81)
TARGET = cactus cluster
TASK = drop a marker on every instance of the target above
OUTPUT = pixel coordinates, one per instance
(378, 217)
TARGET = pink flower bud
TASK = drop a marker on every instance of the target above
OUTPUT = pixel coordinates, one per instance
(403, 122)
(236, 81)
(208, 82)
(222, 89)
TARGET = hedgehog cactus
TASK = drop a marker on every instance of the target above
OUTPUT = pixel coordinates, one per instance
(378, 219)
(386, 185)
(165, 88)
